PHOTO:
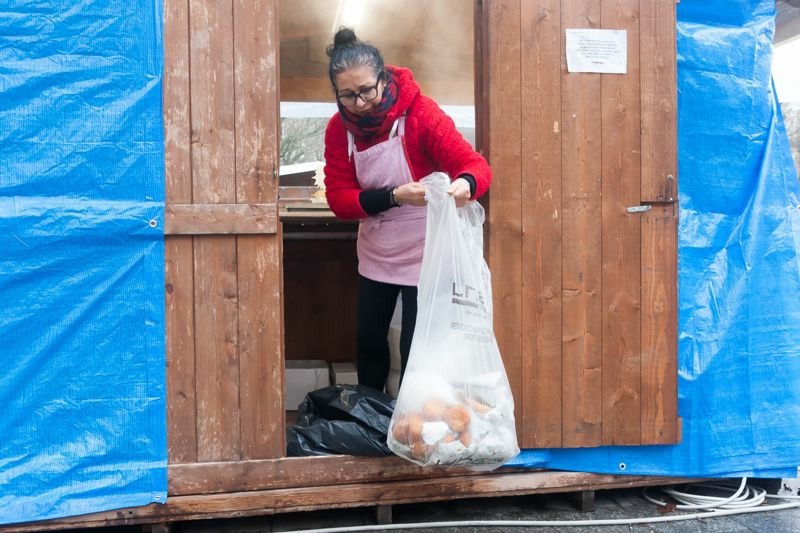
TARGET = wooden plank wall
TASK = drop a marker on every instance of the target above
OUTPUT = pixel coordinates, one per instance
(320, 322)
(541, 72)
(581, 254)
(585, 293)
(223, 288)
(659, 226)
(503, 147)
(621, 279)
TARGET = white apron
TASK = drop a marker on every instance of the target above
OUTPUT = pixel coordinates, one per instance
(390, 243)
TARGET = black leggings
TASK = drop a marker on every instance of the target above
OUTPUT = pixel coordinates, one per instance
(376, 303)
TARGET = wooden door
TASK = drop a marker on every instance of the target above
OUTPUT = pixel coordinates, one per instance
(585, 291)
(223, 243)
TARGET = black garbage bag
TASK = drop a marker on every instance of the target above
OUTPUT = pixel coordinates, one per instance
(341, 419)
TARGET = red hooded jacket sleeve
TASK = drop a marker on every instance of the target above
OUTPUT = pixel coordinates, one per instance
(341, 186)
(433, 144)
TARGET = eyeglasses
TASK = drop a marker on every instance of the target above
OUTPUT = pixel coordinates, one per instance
(367, 95)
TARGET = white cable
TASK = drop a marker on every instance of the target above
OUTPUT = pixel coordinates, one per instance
(554, 523)
(745, 500)
(744, 497)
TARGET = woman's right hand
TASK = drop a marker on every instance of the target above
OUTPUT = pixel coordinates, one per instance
(411, 193)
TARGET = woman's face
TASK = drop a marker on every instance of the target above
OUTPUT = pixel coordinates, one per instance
(359, 89)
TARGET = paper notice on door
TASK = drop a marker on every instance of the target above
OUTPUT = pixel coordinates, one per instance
(604, 51)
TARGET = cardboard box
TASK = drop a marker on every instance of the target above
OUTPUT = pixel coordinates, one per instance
(344, 374)
(302, 377)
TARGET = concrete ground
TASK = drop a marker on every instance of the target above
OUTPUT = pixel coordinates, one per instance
(609, 504)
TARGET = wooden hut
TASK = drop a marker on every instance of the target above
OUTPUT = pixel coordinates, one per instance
(580, 233)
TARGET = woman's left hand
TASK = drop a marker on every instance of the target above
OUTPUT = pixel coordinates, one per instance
(459, 190)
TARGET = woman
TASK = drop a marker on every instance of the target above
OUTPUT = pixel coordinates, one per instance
(386, 137)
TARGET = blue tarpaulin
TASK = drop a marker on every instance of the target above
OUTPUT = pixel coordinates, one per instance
(738, 263)
(82, 384)
(82, 338)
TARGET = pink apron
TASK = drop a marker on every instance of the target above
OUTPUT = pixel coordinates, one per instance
(390, 244)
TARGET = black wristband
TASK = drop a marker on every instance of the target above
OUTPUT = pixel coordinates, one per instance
(374, 201)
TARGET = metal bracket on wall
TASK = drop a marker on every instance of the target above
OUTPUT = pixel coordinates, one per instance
(666, 197)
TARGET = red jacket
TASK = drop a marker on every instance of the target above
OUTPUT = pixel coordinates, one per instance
(432, 144)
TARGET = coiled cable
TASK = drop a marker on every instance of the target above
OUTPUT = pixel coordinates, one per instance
(746, 499)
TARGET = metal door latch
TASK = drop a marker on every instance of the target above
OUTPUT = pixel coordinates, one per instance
(639, 208)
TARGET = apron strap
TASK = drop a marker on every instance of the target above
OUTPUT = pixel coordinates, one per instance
(351, 145)
(397, 128)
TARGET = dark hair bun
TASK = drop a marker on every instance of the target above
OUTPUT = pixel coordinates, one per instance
(343, 38)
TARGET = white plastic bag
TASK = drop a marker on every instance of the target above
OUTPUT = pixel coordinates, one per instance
(455, 405)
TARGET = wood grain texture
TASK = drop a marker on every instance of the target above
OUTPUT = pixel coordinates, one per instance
(216, 322)
(541, 224)
(572, 151)
(581, 243)
(180, 343)
(178, 273)
(252, 503)
(504, 246)
(259, 258)
(215, 268)
(287, 472)
(660, 423)
(221, 219)
(659, 102)
(621, 281)
(320, 323)
(261, 373)
(482, 50)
